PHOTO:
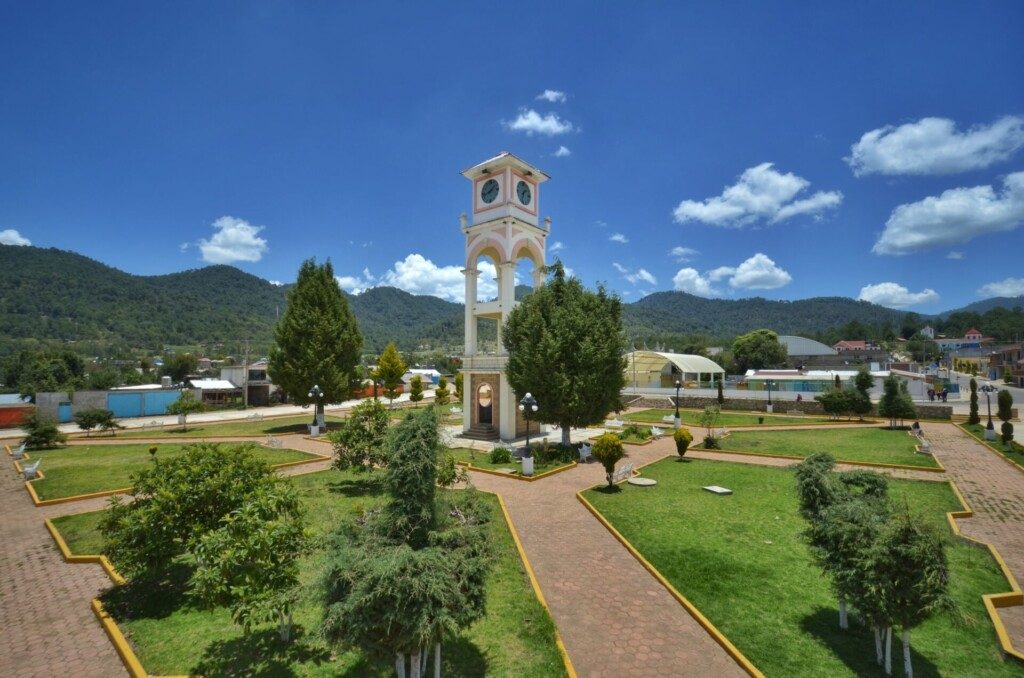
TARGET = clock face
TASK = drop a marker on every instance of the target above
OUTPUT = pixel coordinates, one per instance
(523, 191)
(489, 191)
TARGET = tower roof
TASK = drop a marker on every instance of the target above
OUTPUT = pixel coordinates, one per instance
(503, 160)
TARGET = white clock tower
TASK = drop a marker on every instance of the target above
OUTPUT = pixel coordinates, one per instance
(505, 229)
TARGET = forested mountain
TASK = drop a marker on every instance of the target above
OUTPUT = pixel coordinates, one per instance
(984, 305)
(50, 296)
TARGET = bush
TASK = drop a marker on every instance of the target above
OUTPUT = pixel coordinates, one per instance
(359, 443)
(1007, 429)
(636, 432)
(608, 450)
(683, 438)
(711, 443)
(501, 455)
(42, 432)
(555, 453)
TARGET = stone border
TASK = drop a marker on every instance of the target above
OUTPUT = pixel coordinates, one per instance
(767, 422)
(1011, 462)
(514, 476)
(706, 623)
(134, 666)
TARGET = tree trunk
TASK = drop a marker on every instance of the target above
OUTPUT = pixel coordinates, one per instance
(888, 651)
(908, 668)
(414, 665)
(437, 660)
(284, 626)
(878, 646)
(566, 434)
(424, 661)
(400, 665)
(843, 623)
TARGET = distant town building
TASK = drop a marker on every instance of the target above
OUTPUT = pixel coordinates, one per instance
(971, 339)
(252, 377)
(1008, 361)
(928, 331)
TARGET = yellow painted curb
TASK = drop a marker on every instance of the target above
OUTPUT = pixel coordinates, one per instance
(1002, 456)
(868, 464)
(569, 668)
(526, 479)
(712, 630)
(124, 650)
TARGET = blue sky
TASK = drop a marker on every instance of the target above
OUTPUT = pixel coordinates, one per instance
(157, 139)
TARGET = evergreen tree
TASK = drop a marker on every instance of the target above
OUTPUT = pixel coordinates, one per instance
(974, 418)
(416, 389)
(721, 393)
(839, 382)
(757, 350)
(1005, 413)
(389, 372)
(42, 432)
(359, 442)
(458, 388)
(441, 394)
(565, 346)
(889, 406)
(317, 340)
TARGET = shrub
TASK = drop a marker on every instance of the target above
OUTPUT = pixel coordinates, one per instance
(1007, 430)
(441, 395)
(711, 443)
(90, 418)
(721, 394)
(636, 432)
(608, 450)
(501, 455)
(359, 443)
(42, 432)
(552, 453)
(683, 438)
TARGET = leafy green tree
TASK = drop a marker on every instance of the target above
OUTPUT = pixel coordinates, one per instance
(250, 562)
(42, 432)
(441, 394)
(565, 346)
(104, 378)
(30, 372)
(757, 350)
(416, 389)
(185, 405)
(458, 388)
(708, 419)
(96, 417)
(608, 450)
(177, 501)
(390, 370)
(178, 366)
(317, 339)
(974, 418)
(815, 485)
(1005, 413)
(359, 443)
(895, 404)
(834, 402)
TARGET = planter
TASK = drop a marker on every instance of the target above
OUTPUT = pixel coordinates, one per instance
(990, 434)
(527, 466)
(314, 430)
(769, 408)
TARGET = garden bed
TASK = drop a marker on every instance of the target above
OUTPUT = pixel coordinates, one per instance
(87, 469)
(742, 561)
(479, 459)
(860, 446)
(172, 637)
(1016, 454)
(691, 418)
(241, 427)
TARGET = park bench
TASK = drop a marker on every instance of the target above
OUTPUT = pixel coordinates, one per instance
(720, 433)
(18, 452)
(613, 423)
(456, 410)
(273, 442)
(585, 453)
(656, 432)
(31, 471)
(623, 473)
(255, 417)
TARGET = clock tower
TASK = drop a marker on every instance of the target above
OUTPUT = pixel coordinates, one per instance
(504, 229)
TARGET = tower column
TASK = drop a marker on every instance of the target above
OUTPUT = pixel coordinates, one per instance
(506, 287)
(538, 276)
(470, 328)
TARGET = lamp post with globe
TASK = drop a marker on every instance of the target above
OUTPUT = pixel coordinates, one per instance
(528, 406)
(316, 395)
(990, 429)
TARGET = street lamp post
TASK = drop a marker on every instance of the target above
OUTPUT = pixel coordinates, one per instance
(316, 394)
(990, 429)
(678, 421)
(770, 384)
(528, 406)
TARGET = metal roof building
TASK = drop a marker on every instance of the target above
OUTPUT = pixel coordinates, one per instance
(652, 369)
(802, 346)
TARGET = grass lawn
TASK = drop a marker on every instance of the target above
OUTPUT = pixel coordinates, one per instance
(171, 637)
(691, 418)
(482, 459)
(242, 427)
(741, 560)
(1015, 455)
(875, 445)
(83, 469)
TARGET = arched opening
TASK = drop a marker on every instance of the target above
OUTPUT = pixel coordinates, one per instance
(485, 404)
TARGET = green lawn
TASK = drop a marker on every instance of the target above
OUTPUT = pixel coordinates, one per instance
(516, 638)
(874, 445)
(741, 560)
(691, 418)
(83, 469)
(1015, 455)
(242, 427)
(481, 459)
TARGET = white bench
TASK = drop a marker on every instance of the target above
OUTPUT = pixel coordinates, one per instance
(656, 432)
(255, 417)
(31, 471)
(273, 442)
(623, 473)
(669, 419)
(456, 410)
(18, 452)
(613, 423)
(585, 454)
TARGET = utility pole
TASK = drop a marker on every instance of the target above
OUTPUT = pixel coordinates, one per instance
(245, 378)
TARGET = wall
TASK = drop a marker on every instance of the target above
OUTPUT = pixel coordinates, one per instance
(475, 382)
(47, 403)
(13, 415)
(807, 406)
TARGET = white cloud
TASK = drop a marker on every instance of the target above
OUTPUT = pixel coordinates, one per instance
(276, 283)
(758, 272)
(183, 247)
(955, 255)
(552, 95)
(635, 276)
(11, 236)
(234, 240)
(761, 193)
(556, 246)
(619, 238)
(934, 146)
(1011, 287)
(418, 275)
(956, 216)
(562, 152)
(355, 284)
(691, 281)
(532, 122)
(683, 254)
(894, 295)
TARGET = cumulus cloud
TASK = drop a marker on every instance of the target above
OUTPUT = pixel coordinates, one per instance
(1010, 287)
(640, 274)
(619, 238)
(562, 152)
(556, 246)
(956, 216)
(10, 236)
(356, 284)
(934, 146)
(758, 272)
(552, 95)
(893, 295)
(762, 193)
(955, 255)
(233, 240)
(532, 122)
(418, 275)
(683, 254)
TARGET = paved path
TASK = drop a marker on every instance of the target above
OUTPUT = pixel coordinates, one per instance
(995, 490)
